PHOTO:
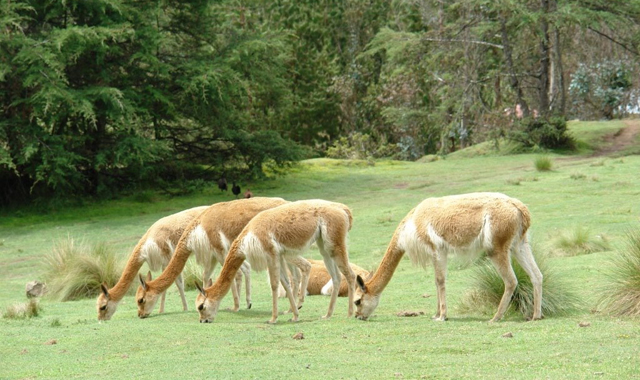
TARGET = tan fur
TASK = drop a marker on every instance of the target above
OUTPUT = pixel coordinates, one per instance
(284, 233)
(208, 236)
(320, 278)
(155, 248)
(474, 222)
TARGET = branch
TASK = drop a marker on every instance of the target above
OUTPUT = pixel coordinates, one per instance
(625, 47)
(467, 41)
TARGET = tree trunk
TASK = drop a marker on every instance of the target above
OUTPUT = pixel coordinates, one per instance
(513, 78)
(562, 106)
(545, 67)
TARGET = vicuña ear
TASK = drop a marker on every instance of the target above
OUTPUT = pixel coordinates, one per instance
(142, 282)
(209, 283)
(105, 289)
(361, 284)
(148, 276)
(199, 287)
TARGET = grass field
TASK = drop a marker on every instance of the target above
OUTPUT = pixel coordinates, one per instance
(598, 193)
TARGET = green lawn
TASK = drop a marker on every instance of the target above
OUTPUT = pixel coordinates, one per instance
(599, 193)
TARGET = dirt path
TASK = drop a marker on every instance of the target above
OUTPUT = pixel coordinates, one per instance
(622, 139)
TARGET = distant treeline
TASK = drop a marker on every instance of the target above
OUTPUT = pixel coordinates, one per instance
(104, 96)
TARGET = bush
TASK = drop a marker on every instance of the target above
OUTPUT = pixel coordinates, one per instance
(23, 310)
(361, 146)
(621, 294)
(543, 133)
(579, 242)
(557, 298)
(600, 89)
(74, 270)
(543, 163)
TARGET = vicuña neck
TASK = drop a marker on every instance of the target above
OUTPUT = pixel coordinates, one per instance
(129, 274)
(232, 263)
(174, 268)
(387, 267)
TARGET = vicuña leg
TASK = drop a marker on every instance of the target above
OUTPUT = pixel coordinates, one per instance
(341, 261)
(235, 291)
(274, 281)
(300, 284)
(284, 280)
(524, 256)
(502, 262)
(180, 285)
(246, 271)
(440, 271)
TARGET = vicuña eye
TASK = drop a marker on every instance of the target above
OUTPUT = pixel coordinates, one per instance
(201, 307)
(103, 307)
(141, 300)
(358, 302)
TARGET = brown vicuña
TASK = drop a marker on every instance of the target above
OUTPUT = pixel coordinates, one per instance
(280, 234)
(209, 237)
(474, 222)
(155, 248)
(320, 282)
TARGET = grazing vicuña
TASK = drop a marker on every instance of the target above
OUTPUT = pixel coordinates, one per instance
(155, 248)
(280, 234)
(492, 222)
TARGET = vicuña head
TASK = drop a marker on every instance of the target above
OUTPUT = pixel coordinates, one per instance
(146, 300)
(106, 307)
(365, 301)
(492, 222)
(207, 308)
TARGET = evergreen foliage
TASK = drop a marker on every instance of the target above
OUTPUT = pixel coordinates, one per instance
(107, 96)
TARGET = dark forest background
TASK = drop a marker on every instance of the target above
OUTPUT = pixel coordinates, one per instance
(106, 97)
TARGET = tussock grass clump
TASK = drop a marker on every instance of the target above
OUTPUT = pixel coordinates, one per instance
(23, 310)
(579, 242)
(621, 295)
(191, 273)
(543, 163)
(557, 298)
(75, 270)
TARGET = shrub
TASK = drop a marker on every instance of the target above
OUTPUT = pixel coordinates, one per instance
(544, 133)
(360, 146)
(621, 294)
(557, 298)
(23, 310)
(74, 270)
(543, 163)
(578, 242)
(601, 89)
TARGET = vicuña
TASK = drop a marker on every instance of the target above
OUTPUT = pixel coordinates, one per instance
(209, 237)
(155, 248)
(280, 234)
(492, 222)
(320, 282)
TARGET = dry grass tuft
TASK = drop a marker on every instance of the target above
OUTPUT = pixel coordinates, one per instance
(23, 310)
(579, 242)
(557, 298)
(621, 295)
(75, 270)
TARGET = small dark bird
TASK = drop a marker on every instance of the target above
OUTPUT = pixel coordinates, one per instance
(222, 184)
(248, 193)
(235, 189)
